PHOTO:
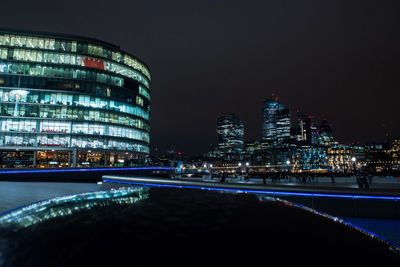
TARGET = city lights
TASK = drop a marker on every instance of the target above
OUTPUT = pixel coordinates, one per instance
(302, 147)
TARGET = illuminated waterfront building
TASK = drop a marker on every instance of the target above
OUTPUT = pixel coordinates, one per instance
(310, 158)
(383, 157)
(339, 158)
(71, 101)
(230, 132)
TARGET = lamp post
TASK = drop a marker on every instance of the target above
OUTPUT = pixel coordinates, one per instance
(353, 160)
(239, 170)
(287, 165)
(247, 171)
(207, 168)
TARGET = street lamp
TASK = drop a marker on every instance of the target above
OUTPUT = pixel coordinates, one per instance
(246, 171)
(207, 169)
(287, 165)
(353, 159)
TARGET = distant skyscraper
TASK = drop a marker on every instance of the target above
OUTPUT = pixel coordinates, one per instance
(325, 134)
(314, 133)
(276, 121)
(230, 132)
(283, 125)
(308, 130)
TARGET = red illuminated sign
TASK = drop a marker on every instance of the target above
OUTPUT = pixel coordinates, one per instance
(93, 63)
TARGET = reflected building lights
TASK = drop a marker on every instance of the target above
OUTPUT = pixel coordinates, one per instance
(274, 196)
(67, 205)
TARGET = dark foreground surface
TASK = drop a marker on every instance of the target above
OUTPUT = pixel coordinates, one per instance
(190, 227)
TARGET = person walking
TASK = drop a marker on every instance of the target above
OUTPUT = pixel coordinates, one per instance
(223, 177)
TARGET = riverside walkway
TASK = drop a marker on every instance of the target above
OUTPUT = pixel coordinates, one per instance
(385, 183)
(342, 198)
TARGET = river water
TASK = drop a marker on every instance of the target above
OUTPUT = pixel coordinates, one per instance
(17, 194)
(158, 225)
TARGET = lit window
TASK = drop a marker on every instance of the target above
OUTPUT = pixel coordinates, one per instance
(73, 46)
(41, 43)
(6, 40)
(52, 43)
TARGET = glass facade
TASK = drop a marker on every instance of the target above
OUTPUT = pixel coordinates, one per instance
(63, 91)
(276, 121)
(230, 132)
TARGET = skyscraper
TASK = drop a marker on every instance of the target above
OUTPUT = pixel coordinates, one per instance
(308, 129)
(325, 134)
(230, 132)
(276, 121)
(283, 125)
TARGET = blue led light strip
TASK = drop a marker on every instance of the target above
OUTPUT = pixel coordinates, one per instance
(258, 191)
(397, 246)
(336, 219)
(85, 170)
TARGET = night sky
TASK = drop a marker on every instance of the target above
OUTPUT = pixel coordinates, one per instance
(335, 60)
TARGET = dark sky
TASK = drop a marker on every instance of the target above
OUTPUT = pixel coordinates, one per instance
(337, 60)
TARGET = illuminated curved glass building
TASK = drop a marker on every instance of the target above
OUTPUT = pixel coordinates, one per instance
(71, 101)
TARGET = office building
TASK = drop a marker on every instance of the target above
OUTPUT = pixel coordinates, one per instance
(71, 101)
(276, 121)
(308, 129)
(325, 134)
(230, 133)
(283, 125)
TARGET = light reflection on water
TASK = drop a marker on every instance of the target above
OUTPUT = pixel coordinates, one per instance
(220, 221)
(61, 206)
(20, 194)
(16, 194)
(390, 229)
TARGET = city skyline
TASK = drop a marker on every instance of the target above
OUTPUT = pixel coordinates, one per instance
(281, 125)
(236, 127)
(335, 61)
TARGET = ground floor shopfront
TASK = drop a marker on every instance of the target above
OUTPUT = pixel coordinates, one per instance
(64, 158)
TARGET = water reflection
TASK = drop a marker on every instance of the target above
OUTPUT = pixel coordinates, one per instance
(66, 205)
(176, 226)
(392, 245)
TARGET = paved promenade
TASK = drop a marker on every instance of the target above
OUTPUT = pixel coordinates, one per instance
(375, 183)
(341, 198)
